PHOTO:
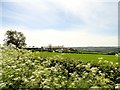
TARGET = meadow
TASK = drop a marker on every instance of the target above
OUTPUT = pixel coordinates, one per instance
(83, 57)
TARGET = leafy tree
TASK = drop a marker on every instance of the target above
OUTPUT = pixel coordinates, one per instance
(15, 38)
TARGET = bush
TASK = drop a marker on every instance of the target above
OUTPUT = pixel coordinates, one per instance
(21, 69)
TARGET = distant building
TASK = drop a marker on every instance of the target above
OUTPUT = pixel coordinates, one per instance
(52, 48)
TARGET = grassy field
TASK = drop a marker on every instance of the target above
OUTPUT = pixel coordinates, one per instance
(83, 57)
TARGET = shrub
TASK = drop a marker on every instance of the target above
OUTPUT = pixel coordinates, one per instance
(21, 69)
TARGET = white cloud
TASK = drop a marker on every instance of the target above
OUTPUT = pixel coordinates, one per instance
(55, 0)
(2, 33)
(71, 38)
(92, 12)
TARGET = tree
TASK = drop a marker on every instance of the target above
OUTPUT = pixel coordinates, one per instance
(50, 47)
(15, 38)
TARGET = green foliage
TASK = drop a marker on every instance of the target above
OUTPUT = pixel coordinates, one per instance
(22, 69)
(15, 38)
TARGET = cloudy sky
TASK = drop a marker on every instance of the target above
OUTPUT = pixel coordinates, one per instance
(62, 22)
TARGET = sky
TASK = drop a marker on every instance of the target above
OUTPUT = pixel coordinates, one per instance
(72, 23)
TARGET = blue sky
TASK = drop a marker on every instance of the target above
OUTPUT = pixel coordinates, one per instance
(62, 22)
(54, 17)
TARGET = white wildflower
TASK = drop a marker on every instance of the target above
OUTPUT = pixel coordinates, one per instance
(26, 80)
(100, 58)
(73, 83)
(56, 79)
(111, 62)
(16, 78)
(8, 66)
(111, 71)
(106, 61)
(99, 71)
(100, 61)
(31, 77)
(117, 86)
(13, 66)
(32, 80)
(83, 77)
(90, 80)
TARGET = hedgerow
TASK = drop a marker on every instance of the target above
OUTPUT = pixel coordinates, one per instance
(22, 69)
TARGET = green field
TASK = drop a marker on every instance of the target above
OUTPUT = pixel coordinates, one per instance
(83, 57)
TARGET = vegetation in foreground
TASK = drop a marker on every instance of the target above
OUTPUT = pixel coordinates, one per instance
(23, 69)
